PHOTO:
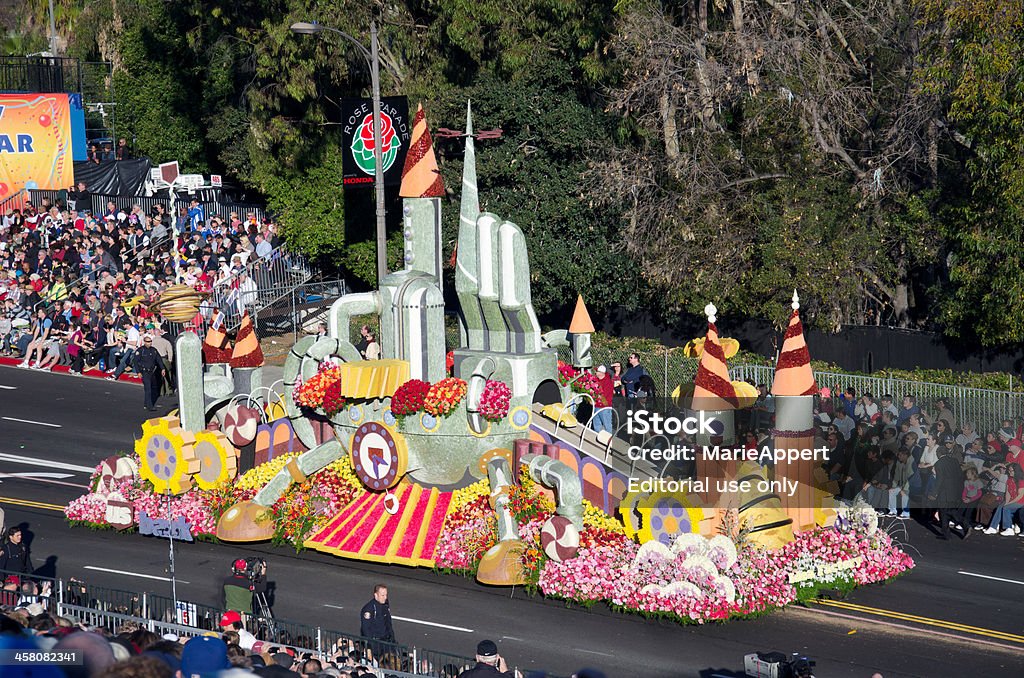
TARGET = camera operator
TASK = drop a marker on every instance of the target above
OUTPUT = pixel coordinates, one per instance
(248, 577)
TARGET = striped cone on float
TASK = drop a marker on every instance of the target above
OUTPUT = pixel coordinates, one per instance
(420, 176)
(247, 351)
(712, 389)
(793, 375)
(215, 343)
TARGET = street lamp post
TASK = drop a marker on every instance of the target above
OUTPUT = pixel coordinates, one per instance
(373, 61)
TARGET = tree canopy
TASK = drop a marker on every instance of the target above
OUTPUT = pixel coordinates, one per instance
(657, 155)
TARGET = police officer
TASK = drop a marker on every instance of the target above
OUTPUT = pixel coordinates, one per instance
(375, 617)
(150, 366)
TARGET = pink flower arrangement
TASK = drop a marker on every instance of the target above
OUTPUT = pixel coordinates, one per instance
(495, 400)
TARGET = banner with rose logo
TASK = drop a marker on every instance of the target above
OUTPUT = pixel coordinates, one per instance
(359, 164)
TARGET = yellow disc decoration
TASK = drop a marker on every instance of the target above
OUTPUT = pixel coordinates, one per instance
(747, 393)
(661, 516)
(163, 458)
(520, 417)
(217, 458)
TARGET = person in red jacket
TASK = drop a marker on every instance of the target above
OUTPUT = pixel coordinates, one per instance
(603, 404)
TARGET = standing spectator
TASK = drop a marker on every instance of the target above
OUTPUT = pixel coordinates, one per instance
(150, 366)
(1005, 516)
(263, 247)
(631, 379)
(375, 617)
(122, 149)
(196, 215)
(372, 347)
(14, 553)
(948, 494)
(974, 488)
(899, 493)
(364, 332)
(603, 414)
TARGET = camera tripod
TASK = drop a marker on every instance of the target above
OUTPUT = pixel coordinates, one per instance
(265, 626)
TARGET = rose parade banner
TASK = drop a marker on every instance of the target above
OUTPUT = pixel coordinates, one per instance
(35, 142)
(359, 164)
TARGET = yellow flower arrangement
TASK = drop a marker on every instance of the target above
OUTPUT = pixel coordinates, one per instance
(343, 467)
(256, 478)
(595, 517)
(467, 495)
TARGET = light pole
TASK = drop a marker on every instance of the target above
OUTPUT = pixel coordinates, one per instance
(373, 61)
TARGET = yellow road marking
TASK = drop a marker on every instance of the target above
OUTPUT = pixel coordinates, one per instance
(953, 626)
(31, 504)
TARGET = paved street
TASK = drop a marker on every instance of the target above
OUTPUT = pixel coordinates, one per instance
(55, 428)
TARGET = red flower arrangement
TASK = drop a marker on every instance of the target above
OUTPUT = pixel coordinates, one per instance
(321, 391)
(444, 396)
(409, 397)
(495, 400)
(566, 373)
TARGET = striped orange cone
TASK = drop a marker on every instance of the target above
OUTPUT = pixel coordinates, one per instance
(420, 176)
(247, 351)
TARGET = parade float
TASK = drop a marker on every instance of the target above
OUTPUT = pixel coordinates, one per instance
(481, 463)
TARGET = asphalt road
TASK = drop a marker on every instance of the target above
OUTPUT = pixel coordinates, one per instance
(55, 428)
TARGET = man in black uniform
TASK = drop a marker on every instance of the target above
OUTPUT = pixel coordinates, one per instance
(150, 366)
(375, 617)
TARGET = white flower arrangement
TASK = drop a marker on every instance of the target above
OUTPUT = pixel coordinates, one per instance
(684, 589)
(722, 551)
(690, 543)
(653, 550)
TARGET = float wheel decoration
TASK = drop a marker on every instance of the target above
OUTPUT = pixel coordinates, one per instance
(379, 456)
(217, 459)
(162, 455)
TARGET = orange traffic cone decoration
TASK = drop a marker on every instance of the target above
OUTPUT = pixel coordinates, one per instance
(712, 389)
(793, 375)
(247, 351)
(420, 176)
(215, 343)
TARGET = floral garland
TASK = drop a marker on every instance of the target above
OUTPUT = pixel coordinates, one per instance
(321, 391)
(495, 400)
(409, 397)
(444, 396)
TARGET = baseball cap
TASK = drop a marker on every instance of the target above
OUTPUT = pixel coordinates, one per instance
(230, 617)
(486, 648)
(204, 655)
(602, 369)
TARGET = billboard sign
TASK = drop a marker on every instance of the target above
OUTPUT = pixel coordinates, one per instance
(35, 142)
(359, 164)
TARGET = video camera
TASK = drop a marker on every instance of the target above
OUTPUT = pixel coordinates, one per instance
(777, 665)
(253, 568)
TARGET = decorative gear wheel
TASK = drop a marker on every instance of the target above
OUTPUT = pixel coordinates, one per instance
(162, 455)
(485, 458)
(216, 457)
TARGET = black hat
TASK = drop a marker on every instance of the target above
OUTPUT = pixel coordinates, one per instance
(486, 648)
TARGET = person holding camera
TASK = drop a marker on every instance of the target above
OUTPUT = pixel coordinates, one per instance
(246, 579)
(488, 662)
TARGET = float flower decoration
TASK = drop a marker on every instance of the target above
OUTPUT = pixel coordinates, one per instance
(444, 396)
(409, 397)
(566, 373)
(321, 391)
(495, 400)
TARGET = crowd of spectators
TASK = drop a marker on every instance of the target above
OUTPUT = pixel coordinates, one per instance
(76, 288)
(133, 651)
(904, 458)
